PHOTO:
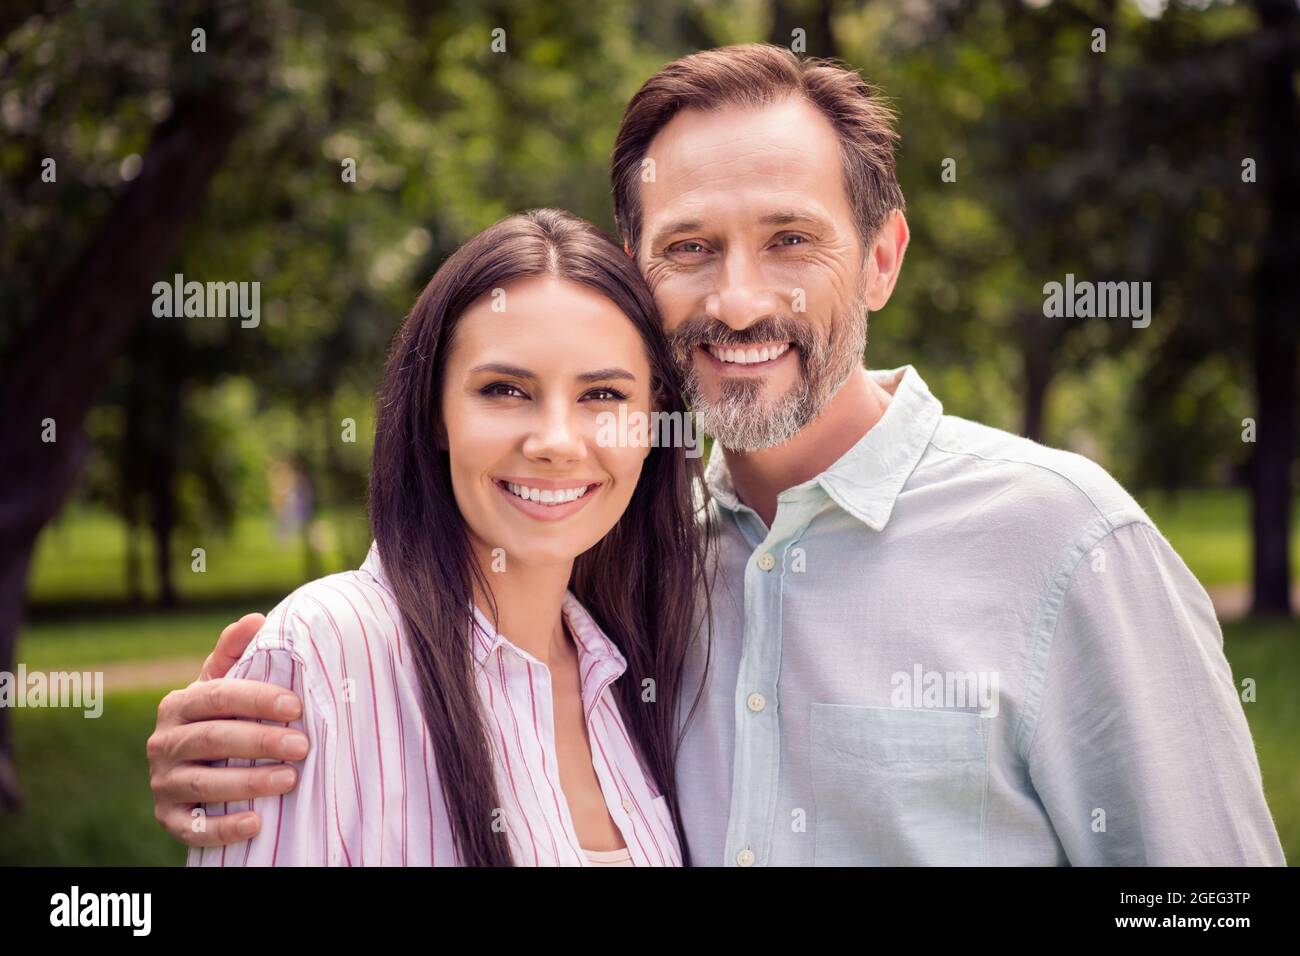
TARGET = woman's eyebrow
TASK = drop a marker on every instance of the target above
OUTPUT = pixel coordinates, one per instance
(604, 374)
(596, 375)
(497, 368)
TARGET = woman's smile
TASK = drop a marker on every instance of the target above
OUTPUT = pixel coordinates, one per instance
(547, 499)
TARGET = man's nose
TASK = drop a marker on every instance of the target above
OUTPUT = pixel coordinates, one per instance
(743, 294)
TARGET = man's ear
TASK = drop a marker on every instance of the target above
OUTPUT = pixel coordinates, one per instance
(885, 260)
(627, 247)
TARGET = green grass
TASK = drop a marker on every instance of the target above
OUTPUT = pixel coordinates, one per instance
(1211, 532)
(82, 557)
(1270, 654)
(86, 784)
(67, 645)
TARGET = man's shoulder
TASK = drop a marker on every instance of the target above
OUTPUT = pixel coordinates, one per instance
(1050, 483)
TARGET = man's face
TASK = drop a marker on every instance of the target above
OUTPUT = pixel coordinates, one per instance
(749, 243)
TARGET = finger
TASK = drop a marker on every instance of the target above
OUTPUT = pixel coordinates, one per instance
(230, 646)
(211, 740)
(192, 784)
(232, 697)
(216, 831)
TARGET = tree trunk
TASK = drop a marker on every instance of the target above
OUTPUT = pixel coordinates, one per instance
(1277, 316)
(55, 372)
(163, 522)
(164, 466)
(134, 581)
(13, 581)
(813, 17)
(1038, 376)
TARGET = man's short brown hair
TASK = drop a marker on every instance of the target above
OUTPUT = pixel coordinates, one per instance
(757, 74)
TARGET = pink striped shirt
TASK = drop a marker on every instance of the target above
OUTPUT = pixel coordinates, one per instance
(368, 792)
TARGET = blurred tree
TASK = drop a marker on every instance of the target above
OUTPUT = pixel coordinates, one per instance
(55, 355)
(1276, 345)
(1117, 165)
(814, 17)
(1217, 119)
(163, 441)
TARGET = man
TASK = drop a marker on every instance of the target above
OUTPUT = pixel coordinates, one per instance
(934, 642)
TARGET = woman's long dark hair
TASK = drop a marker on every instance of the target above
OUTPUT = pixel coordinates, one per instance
(642, 583)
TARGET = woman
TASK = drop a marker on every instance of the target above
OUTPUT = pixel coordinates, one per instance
(499, 683)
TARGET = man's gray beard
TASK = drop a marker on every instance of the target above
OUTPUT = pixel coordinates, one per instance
(738, 421)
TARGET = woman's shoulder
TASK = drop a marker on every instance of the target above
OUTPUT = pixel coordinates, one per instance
(335, 627)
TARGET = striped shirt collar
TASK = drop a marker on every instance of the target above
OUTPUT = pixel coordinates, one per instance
(597, 654)
(867, 479)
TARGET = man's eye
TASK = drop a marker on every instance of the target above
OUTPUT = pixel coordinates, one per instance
(502, 390)
(792, 239)
(606, 395)
(689, 247)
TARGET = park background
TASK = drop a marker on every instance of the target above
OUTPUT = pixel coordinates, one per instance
(1171, 156)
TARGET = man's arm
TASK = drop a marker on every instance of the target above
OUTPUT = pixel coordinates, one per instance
(295, 833)
(1141, 752)
(201, 724)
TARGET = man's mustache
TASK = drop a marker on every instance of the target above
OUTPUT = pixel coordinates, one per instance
(701, 329)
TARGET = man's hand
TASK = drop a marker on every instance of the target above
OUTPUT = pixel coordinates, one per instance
(197, 725)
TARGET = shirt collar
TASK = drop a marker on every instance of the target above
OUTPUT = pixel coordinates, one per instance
(867, 479)
(597, 654)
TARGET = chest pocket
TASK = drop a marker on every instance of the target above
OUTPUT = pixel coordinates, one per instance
(898, 787)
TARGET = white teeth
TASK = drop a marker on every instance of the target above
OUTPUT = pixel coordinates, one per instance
(547, 496)
(748, 356)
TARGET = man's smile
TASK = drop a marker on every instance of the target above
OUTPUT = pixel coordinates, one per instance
(743, 360)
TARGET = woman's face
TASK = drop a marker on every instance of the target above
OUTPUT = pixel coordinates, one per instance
(530, 369)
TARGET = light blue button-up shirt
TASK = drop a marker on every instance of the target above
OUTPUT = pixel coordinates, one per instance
(956, 646)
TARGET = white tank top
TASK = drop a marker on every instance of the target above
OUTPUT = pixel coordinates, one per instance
(621, 857)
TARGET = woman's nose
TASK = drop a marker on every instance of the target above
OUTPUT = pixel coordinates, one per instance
(556, 437)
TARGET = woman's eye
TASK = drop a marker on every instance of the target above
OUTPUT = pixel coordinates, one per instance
(606, 395)
(502, 390)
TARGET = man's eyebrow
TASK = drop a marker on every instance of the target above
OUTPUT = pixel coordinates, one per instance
(674, 228)
(791, 217)
(783, 217)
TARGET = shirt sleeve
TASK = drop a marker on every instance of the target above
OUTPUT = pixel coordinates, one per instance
(1141, 753)
(295, 826)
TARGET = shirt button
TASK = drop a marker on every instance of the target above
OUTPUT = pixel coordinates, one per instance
(627, 806)
(756, 702)
(745, 858)
(766, 562)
